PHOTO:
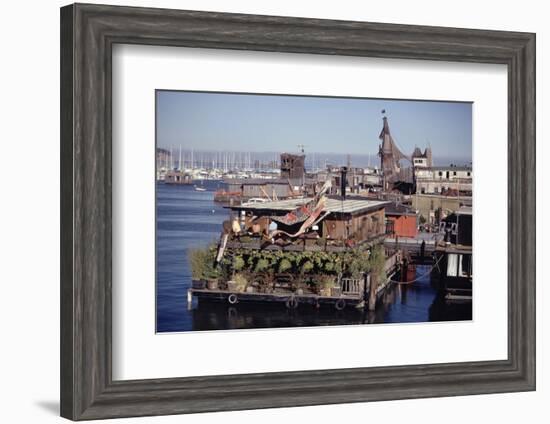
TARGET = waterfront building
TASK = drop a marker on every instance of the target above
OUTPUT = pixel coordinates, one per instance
(292, 168)
(433, 207)
(290, 182)
(269, 189)
(352, 219)
(163, 163)
(422, 160)
(177, 177)
(446, 180)
(401, 221)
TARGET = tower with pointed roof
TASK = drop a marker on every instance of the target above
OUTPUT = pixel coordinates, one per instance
(390, 155)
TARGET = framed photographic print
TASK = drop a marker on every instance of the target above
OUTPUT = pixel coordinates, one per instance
(264, 211)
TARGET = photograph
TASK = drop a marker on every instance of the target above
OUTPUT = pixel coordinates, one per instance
(277, 211)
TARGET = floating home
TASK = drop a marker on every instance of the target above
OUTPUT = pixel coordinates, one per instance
(322, 250)
(401, 221)
(177, 177)
(253, 188)
(290, 183)
(453, 257)
(345, 222)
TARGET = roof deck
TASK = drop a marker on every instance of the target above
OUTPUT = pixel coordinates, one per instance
(349, 205)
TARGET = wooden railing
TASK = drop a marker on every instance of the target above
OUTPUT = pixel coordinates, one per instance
(392, 262)
(352, 286)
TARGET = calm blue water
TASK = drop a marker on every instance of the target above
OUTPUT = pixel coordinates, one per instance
(187, 218)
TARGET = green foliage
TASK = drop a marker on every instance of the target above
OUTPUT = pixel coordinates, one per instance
(284, 265)
(203, 263)
(241, 281)
(307, 266)
(338, 265)
(377, 262)
(238, 263)
(197, 257)
(262, 265)
(211, 271)
(353, 263)
(326, 281)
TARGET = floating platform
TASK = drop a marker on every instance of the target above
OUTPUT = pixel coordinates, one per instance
(290, 300)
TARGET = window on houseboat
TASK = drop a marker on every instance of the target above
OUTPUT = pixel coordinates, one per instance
(465, 267)
(452, 264)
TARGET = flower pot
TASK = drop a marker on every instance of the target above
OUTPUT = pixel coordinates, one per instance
(198, 284)
(336, 291)
(231, 286)
(324, 292)
(212, 284)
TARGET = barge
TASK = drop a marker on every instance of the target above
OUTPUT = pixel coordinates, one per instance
(453, 275)
(316, 251)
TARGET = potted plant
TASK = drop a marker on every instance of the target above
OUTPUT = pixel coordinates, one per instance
(211, 271)
(325, 284)
(197, 258)
(335, 290)
(238, 283)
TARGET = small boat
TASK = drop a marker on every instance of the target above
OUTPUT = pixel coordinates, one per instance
(201, 188)
(255, 200)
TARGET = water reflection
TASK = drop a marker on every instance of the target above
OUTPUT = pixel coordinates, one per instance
(220, 315)
(417, 302)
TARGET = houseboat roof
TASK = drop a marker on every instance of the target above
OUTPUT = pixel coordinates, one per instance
(255, 181)
(398, 209)
(351, 204)
(464, 210)
(448, 168)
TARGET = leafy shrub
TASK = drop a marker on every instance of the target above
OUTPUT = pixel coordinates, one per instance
(241, 281)
(238, 263)
(284, 265)
(262, 265)
(197, 257)
(325, 281)
(203, 263)
(307, 266)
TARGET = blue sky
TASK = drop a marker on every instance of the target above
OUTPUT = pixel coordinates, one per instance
(259, 123)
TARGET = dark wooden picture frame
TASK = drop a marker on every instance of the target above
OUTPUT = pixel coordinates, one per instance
(88, 33)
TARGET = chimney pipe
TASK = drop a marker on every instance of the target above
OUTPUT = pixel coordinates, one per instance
(343, 181)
